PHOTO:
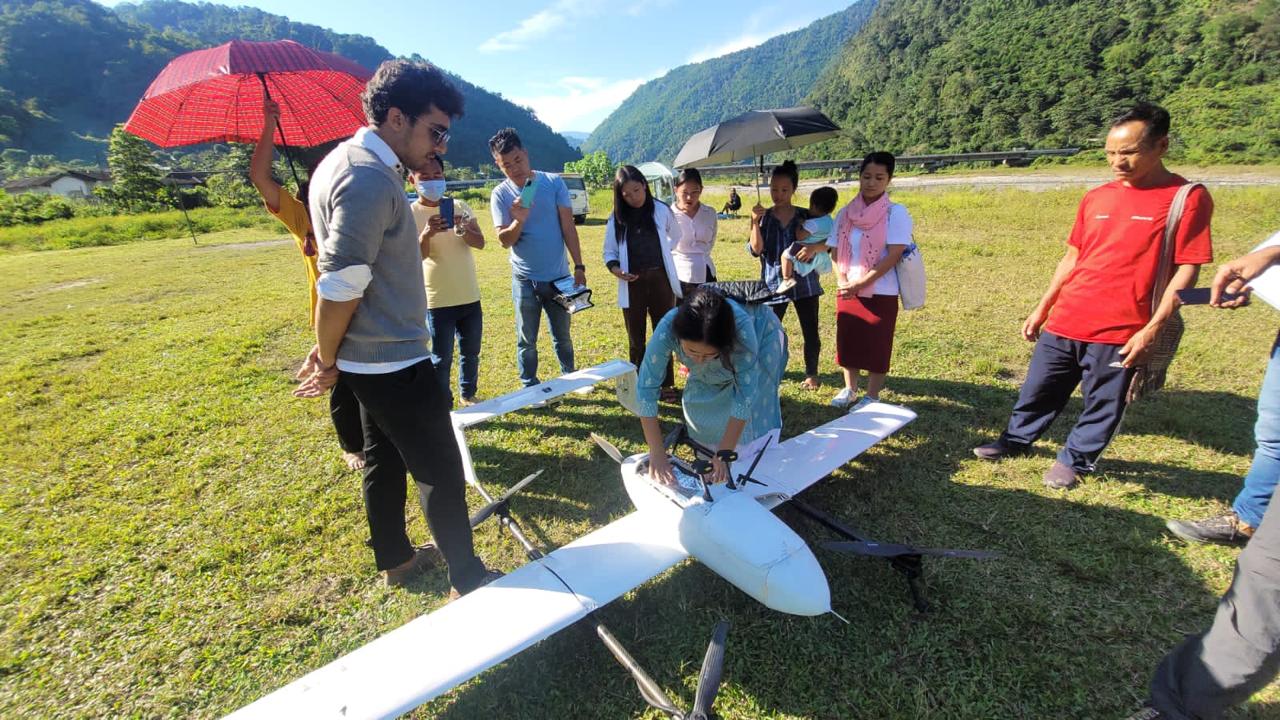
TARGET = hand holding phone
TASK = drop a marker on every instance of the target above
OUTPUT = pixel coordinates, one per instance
(446, 211)
(1200, 296)
(528, 192)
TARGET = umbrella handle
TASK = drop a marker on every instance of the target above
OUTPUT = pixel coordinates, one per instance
(761, 177)
(284, 144)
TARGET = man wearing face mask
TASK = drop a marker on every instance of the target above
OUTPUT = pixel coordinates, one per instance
(449, 271)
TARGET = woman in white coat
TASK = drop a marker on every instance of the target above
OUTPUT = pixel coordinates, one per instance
(638, 239)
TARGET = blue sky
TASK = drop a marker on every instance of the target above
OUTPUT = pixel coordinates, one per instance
(572, 61)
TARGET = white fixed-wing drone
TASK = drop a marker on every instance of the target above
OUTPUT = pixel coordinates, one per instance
(728, 527)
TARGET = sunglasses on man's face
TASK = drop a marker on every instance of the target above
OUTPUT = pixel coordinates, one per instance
(440, 134)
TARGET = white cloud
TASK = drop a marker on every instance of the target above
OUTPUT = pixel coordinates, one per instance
(559, 14)
(539, 25)
(577, 103)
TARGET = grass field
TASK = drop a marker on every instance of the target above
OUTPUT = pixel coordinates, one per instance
(180, 536)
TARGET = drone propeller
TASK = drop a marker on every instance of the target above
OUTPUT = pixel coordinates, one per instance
(892, 550)
(609, 448)
(483, 513)
(711, 675)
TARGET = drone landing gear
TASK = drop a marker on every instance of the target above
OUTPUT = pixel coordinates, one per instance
(906, 559)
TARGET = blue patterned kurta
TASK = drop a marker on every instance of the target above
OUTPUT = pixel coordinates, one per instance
(713, 394)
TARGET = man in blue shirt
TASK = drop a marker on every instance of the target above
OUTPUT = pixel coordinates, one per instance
(537, 236)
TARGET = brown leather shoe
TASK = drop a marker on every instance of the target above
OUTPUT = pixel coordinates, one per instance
(1060, 477)
(489, 576)
(424, 558)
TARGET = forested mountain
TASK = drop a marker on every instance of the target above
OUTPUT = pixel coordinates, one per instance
(970, 75)
(660, 115)
(575, 138)
(211, 24)
(72, 69)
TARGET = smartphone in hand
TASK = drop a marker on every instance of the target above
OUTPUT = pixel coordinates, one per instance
(1200, 296)
(446, 211)
(528, 192)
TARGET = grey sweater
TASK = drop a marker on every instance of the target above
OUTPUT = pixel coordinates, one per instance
(361, 217)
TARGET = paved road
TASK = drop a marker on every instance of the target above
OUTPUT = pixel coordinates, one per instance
(1050, 181)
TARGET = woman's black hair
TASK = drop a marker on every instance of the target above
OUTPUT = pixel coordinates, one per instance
(823, 200)
(879, 157)
(624, 215)
(789, 170)
(689, 175)
(705, 316)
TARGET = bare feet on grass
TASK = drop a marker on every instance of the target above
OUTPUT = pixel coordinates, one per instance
(354, 460)
(811, 383)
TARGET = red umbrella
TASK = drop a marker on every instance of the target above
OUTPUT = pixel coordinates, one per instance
(215, 95)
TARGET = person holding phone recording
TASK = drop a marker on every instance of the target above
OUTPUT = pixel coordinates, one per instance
(447, 233)
(534, 220)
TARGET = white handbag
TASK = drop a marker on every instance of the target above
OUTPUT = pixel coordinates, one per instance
(910, 270)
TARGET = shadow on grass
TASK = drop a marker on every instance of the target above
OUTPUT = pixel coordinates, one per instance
(964, 415)
(1084, 590)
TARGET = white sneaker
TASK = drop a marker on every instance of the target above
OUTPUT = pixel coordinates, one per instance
(584, 390)
(842, 398)
(785, 285)
(865, 401)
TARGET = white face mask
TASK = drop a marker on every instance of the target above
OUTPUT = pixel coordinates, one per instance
(432, 190)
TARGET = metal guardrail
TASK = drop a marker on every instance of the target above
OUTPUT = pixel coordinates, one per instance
(463, 184)
(1015, 158)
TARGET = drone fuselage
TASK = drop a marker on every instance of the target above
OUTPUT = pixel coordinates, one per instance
(738, 539)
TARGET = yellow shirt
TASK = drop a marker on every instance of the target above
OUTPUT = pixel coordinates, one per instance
(449, 269)
(294, 216)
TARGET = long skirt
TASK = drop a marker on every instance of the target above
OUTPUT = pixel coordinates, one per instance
(864, 332)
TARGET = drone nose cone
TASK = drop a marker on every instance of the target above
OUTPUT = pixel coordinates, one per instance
(797, 585)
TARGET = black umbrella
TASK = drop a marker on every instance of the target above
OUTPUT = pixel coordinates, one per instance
(755, 134)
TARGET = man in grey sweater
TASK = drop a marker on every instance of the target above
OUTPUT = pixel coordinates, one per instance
(371, 321)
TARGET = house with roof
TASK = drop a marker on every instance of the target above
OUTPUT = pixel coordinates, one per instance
(67, 183)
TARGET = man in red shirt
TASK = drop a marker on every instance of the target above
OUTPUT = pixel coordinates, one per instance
(1097, 319)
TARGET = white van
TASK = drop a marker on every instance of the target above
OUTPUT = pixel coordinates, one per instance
(662, 181)
(577, 196)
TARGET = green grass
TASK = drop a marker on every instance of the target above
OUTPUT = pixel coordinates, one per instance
(121, 229)
(180, 537)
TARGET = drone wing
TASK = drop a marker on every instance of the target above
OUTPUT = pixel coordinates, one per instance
(791, 466)
(542, 392)
(436, 652)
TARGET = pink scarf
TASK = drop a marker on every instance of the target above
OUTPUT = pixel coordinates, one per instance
(873, 221)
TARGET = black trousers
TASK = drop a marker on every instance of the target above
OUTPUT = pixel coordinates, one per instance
(1057, 366)
(1240, 653)
(344, 410)
(807, 312)
(405, 415)
(649, 297)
